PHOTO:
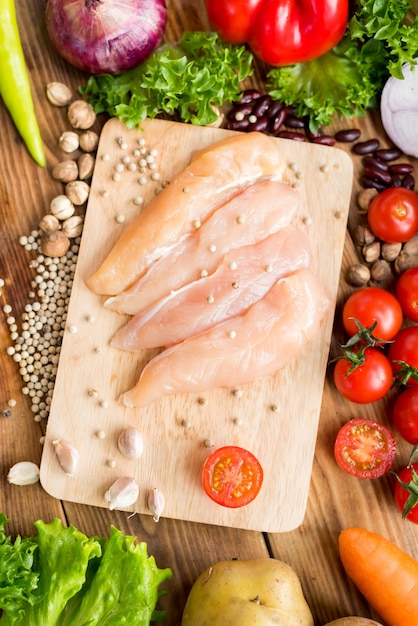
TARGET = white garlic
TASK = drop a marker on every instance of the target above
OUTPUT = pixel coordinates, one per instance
(122, 493)
(67, 456)
(156, 503)
(131, 443)
(23, 473)
(73, 226)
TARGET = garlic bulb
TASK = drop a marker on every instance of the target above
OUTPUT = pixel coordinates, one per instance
(156, 503)
(122, 493)
(131, 443)
(23, 473)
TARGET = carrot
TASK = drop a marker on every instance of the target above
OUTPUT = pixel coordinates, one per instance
(386, 575)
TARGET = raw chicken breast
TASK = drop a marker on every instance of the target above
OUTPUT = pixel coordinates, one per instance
(213, 176)
(244, 276)
(265, 338)
(258, 211)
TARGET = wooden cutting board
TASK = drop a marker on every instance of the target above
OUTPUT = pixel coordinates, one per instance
(275, 417)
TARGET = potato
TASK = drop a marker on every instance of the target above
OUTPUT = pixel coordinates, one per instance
(353, 621)
(256, 592)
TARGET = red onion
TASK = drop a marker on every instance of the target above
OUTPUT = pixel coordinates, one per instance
(106, 36)
(399, 110)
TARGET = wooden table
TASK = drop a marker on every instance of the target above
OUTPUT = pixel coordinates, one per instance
(336, 500)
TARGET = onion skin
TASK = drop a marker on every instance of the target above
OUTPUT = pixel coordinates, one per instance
(105, 36)
(399, 110)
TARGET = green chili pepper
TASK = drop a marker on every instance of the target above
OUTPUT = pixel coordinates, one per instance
(14, 82)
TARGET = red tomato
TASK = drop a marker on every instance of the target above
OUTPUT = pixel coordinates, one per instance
(406, 500)
(364, 449)
(369, 305)
(280, 32)
(393, 214)
(405, 349)
(367, 382)
(407, 293)
(405, 414)
(232, 476)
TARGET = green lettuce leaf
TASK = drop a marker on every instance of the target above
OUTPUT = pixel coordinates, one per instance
(189, 80)
(17, 579)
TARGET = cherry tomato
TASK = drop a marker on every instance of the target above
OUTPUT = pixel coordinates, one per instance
(393, 214)
(232, 476)
(407, 293)
(364, 448)
(406, 500)
(369, 305)
(405, 349)
(367, 382)
(405, 414)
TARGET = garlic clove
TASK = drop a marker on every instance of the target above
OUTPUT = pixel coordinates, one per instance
(58, 94)
(69, 141)
(67, 456)
(73, 227)
(122, 493)
(23, 473)
(61, 207)
(131, 443)
(81, 115)
(77, 191)
(156, 503)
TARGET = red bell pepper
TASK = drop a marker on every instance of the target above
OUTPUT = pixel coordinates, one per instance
(280, 32)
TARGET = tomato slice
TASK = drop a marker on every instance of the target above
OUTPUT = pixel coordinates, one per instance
(364, 448)
(232, 476)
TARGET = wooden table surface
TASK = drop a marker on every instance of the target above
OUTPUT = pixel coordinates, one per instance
(336, 500)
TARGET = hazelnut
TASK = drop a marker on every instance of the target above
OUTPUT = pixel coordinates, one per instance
(411, 247)
(81, 114)
(89, 141)
(48, 224)
(73, 227)
(55, 244)
(390, 251)
(69, 141)
(58, 94)
(77, 192)
(65, 171)
(405, 261)
(364, 235)
(371, 252)
(364, 198)
(381, 272)
(86, 164)
(61, 207)
(358, 275)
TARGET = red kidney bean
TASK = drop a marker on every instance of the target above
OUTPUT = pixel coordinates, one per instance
(260, 125)
(408, 182)
(288, 134)
(371, 182)
(241, 109)
(249, 95)
(294, 122)
(388, 154)
(238, 124)
(370, 161)
(349, 135)
(274, 108)
(277, 122)
(261, 105)
(401, 168)
(366, 147)
(377, 174)
(396, 180)
(324, 140)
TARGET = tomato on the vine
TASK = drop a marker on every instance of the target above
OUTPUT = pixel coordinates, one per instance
(405, 414)
(367, 381)
(371, 305)
(407, 293)
(364, 448)
(403, 353)
(393, 214)
(406, 492)
(232, 476)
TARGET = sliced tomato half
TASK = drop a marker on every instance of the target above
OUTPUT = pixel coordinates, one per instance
(364, 448)
(232, 476)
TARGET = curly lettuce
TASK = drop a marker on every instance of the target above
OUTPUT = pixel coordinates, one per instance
(190, 80)
(61, 577)
(348, 80)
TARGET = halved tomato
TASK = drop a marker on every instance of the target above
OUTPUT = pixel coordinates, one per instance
(232, 476)
(364, 448)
